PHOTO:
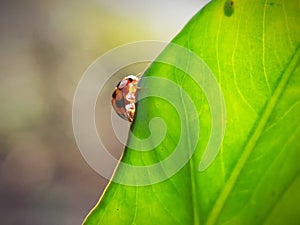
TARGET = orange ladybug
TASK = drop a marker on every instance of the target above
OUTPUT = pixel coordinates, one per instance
(124, 97)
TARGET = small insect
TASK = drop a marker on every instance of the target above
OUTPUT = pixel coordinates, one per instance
(229, 7)
(124, 97)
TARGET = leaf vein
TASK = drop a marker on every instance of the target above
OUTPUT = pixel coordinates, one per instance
(222, 198)
(264, 46)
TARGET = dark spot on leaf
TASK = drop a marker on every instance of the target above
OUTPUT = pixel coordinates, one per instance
(229, 7)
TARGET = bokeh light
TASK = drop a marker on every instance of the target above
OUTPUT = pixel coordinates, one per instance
(45, 48)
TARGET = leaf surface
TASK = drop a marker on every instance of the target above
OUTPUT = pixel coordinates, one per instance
(252, 49)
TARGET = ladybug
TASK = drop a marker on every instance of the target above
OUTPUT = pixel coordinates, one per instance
(124, 97)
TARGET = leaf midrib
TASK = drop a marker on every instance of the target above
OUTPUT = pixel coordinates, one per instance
(222, 198)
(191, 167)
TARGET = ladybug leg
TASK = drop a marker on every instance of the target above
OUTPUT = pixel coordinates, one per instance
(130, 109)
(130, 97)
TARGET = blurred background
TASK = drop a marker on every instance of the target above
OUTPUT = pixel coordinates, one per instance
(45, 48)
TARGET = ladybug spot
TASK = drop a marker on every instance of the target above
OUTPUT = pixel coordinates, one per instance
(118, 84)
(114, 95)
(120, 103)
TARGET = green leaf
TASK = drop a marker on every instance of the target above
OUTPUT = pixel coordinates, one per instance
(252, 49)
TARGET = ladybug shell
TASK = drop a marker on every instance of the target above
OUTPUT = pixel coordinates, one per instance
(124, 97)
